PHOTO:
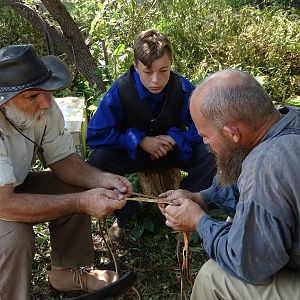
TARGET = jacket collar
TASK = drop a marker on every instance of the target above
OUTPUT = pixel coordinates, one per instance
(289, 114)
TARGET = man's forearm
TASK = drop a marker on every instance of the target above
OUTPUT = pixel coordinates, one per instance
(75, 171)
(33, 208)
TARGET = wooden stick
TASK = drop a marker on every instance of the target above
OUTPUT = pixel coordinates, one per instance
(154, 200)
(143, 195)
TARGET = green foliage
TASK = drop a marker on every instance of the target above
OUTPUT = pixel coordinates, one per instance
(262, 42)
(144, 223)
(117, 23)
(16, 30)
(261, 37)
(207, 36)
(294, 102)
(286, 4)
(134, 181)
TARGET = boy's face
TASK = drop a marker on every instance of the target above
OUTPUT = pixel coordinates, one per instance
(157, 76)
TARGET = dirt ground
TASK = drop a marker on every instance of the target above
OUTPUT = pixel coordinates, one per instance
(153, 257)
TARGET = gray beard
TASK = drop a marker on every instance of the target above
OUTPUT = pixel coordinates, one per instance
(22, 120)
(229, 163)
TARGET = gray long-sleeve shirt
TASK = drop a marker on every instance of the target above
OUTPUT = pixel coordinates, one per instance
(265, 234)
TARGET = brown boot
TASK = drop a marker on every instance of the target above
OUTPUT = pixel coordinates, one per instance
(67, 280)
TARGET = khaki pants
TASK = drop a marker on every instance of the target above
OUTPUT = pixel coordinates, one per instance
(214, 283)
(71, 241)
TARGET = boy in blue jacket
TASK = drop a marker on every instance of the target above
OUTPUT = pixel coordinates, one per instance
(143, 122)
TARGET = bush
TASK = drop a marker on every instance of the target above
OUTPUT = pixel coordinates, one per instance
(261, 37)
(208, 36)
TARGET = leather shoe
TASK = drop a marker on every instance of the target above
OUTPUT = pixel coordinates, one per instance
(111, 291)
(67, 280)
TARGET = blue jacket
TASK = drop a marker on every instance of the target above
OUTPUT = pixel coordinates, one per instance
(104, 127)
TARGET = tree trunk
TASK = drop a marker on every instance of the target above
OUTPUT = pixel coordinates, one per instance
(67, 38)
(155, 182)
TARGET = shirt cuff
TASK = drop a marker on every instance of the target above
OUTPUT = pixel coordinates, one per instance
(203, 225)
(182, 143)
(207, 195)
(208, 228)
(133, 139)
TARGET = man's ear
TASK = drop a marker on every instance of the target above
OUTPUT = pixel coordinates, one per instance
(232, 132)
(135, 67)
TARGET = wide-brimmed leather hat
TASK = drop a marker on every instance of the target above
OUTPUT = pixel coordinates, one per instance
(22, 69)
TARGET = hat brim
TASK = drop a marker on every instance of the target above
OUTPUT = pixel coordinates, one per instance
(60, 78)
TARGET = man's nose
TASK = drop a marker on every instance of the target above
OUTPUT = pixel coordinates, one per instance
(45, 100)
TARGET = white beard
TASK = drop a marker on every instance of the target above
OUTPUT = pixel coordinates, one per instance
(23, 120)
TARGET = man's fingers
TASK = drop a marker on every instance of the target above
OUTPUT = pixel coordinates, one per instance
(119, 183)
(175, 202)
(111, 194)
(171, 225)
(162, 208)
(120, 204)
(166, 194)
(168, 223)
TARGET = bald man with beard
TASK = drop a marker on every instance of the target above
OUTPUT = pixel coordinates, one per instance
(257, 147)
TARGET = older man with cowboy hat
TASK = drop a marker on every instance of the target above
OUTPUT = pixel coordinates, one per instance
(31, 124)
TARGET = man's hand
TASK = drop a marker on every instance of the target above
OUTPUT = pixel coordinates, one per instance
(175, 194)
(115, 182)
(183, 215)
(100, 202)
(155, 146)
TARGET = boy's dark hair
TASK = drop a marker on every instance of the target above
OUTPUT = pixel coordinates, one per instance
(150, 45)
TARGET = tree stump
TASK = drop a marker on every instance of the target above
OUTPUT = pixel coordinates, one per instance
(155, 182)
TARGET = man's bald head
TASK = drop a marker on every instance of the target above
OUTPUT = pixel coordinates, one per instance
(232, 96)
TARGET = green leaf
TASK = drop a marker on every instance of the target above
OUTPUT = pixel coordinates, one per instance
(119, 49)
(92, 107)
(196, 249)
(194, 237)
(218, 212)
(294, 102)
(148, 224)
(41, 240)
(137, 232)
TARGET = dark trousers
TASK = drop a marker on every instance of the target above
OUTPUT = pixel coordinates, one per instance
(200, 168)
